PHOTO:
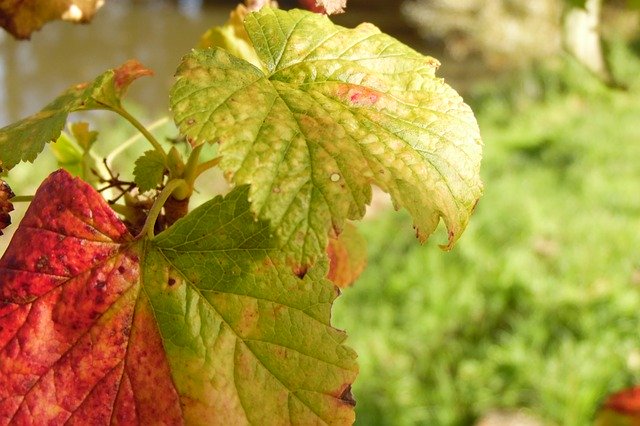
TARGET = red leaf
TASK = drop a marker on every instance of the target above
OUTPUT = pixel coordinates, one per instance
(626, 402)
(78, 343)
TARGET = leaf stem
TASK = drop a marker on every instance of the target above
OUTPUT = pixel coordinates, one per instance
(203, 167)
(133, 139)
(22, 199)
(131, 119)
(150, 223)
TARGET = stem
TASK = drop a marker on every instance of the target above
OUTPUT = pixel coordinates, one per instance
(150, 223)
(131, 119)
(133, 139)
(203, 167)
(22, 199)
(192, 163)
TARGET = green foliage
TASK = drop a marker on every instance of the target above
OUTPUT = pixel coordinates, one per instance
(149, 170)
(225, 310)
(331, 111)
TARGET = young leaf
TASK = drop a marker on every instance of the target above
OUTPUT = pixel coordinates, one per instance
(84, 137)
(202, 325)
(232, 37)
(337, 110)
(347, 255)
(68, 154)
(25, 139)
(149, 170)
(22, 17)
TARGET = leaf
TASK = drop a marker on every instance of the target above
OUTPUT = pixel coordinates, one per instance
(621, 409)
(23, 17)
(347, 255)
(202, 325)
(25, 139)
(85, 137)
(149, 170)
(68, 154)
(337, 110)
(6, 206)
(232, 37)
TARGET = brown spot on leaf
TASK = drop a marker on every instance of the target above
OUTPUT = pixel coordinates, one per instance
(301, 271)
(171, 282)
(347, 397)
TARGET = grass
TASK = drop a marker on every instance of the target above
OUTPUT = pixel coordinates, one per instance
(538, 306)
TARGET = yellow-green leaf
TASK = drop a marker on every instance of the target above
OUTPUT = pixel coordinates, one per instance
(335, 111)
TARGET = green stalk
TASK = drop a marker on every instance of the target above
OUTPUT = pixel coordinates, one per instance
(133, 139)
(190, 173)
(131, 119)
(22, 199)
(203, 167)
(150, 223)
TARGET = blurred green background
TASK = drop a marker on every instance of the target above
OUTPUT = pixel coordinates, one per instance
(534, 316)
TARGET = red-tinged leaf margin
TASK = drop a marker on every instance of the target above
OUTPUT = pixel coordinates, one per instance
(70, 277)
(347, 254)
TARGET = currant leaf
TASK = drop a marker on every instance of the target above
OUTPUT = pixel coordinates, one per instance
(25, 139)
(149, 170)
(202, 325)
(336, 110)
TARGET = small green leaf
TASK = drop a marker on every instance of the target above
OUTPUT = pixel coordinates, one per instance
(25, 139)
(337, 110)
(68, 154)
(84, 137)
(149, 170)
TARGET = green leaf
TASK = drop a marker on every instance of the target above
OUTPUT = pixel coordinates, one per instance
(25, 139)
(236, 322)
(68, 154)
(337, 110)
(149, 170)
(205, 324)
(85, 137)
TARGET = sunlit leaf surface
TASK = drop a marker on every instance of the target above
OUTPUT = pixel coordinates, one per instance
(336, 110)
